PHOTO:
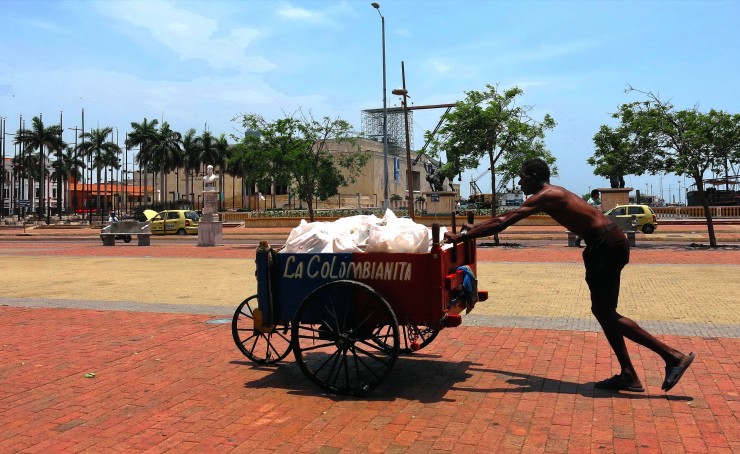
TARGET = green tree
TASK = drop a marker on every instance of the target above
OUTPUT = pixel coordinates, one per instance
(69, 165)
(191, 152)
(297, 147)
(166, 154)
(95, 144)
(617, 154)
(26, 166)
(143, 135)
(40, 138)
(685, 142)
(252, 158)
(490, 124)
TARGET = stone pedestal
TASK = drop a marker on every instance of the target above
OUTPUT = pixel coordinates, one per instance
(210, 228)
(210, 233)
(611, 197)
(440, 202)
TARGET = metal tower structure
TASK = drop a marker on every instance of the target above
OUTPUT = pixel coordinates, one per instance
(372, 128)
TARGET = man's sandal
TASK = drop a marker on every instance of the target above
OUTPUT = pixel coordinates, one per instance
(619, 383)
(674, 373)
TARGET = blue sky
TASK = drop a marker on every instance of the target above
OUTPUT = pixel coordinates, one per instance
(198, 63)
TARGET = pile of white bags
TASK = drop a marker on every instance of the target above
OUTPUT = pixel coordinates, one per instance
(365, 233)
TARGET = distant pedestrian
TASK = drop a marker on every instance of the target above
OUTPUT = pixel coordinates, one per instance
(607, 252)
(112, 217)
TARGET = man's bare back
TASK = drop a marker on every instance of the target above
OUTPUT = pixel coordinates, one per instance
(565, 207)
(569, 210)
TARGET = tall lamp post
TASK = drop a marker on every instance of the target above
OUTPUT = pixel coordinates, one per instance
(385, 115)
(409, 174)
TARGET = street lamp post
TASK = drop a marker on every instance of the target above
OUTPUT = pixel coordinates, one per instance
(385, 114)
(410, 176)
(679, 191)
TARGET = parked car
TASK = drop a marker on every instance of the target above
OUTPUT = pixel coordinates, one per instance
(644, 216)
(173, 222)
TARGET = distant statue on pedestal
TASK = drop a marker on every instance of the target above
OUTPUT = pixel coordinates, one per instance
(210, 229)
(616, 181)
(209, 181)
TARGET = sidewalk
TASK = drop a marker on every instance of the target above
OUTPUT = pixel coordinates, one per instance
(726, 233)
(171, 379)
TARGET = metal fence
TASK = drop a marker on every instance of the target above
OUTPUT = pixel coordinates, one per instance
(688, 212)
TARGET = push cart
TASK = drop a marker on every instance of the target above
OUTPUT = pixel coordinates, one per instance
(348, 316)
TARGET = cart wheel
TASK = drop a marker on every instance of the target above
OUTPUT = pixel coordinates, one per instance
(413, 337)
(260, 347)
(345, 337)
(127, 238)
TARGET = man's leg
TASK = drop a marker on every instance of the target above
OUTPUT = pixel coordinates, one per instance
(612, 330)
(632, 331)
(604, 285)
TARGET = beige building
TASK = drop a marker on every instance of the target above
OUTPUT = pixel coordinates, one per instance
(366, 191)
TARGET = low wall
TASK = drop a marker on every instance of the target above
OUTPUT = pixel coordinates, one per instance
(426, 220)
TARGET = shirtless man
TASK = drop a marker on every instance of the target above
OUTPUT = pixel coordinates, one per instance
(607, 252)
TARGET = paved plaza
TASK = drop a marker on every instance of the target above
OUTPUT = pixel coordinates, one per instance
(129, 349)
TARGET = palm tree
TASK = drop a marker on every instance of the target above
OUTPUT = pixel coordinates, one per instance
(38, 138)
(144, 136)
(96, 145)
(68, 166)
(167, 153)
(110, 159)
(191, 151)
(25, 166)
(222, 150)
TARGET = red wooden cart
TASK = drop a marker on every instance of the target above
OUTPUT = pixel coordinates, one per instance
(347, 317)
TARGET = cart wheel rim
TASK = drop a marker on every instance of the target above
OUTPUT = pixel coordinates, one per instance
(258, 346)
(345, 337)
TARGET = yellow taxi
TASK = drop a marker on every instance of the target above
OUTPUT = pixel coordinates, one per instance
(642, 216)
(173, 222)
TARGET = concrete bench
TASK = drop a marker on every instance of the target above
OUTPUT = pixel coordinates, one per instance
(123, 228)
(626, 224)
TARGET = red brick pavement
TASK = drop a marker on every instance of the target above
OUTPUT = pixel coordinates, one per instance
(173, 383)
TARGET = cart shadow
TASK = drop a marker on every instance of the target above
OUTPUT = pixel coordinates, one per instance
(523, 383)
(427, 379)
(423, 378)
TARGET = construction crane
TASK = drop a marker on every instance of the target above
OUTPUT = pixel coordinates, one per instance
(476, 196)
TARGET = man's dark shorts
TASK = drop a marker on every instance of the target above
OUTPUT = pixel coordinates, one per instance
(606, 253)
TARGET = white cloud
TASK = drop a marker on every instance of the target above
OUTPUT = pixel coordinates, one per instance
(440, 66)
(292, 12)
(191, 35)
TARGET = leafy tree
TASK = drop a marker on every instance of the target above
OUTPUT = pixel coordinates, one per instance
(617, 154)
(40, 138)
(491, 124)
(297, 147)
(254, 157)
(685, 142)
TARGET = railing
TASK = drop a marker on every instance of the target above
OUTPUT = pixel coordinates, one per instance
(717, 212)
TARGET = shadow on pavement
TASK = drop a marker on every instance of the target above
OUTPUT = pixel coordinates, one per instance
(429, 379)
(422, 378)
(523, 383)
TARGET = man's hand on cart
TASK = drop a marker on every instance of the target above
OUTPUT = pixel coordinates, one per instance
(458, 237)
